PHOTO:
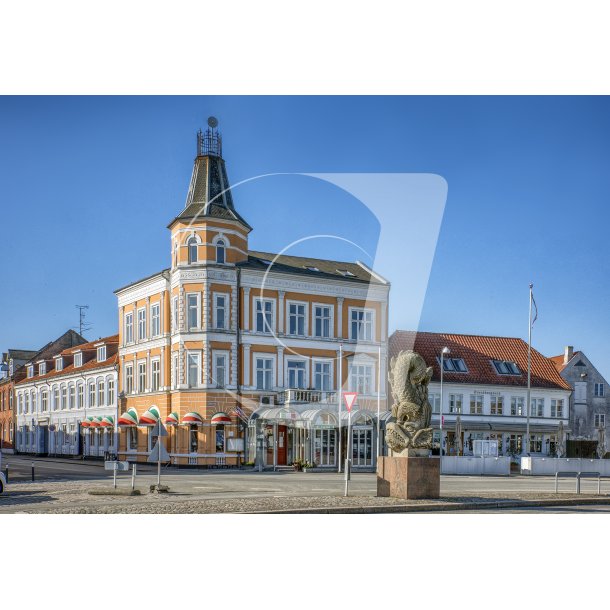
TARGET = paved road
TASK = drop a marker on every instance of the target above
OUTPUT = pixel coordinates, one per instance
(587, 508)
(242, 483)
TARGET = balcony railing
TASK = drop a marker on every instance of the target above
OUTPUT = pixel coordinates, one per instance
(297, 396)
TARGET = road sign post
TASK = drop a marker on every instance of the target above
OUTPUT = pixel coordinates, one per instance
(159, 452)
(350, 399)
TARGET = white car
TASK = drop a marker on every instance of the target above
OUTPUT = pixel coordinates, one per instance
(2, 482)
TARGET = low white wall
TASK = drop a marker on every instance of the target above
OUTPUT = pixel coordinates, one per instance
(549, 466)
(453, 464)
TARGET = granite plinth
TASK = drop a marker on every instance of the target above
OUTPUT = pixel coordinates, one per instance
(410, 478)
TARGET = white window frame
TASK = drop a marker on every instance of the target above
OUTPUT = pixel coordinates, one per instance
(599, 420)
(78, 360)
(175, 315)
(226, 309)
(101, 353)
(256, 356)
(599, 390)
(355, 386)
(80, 395)
(325, 361)
(434, 399)
(287, 361)
(226, 355)
(197, 296)
(263, 300)
(454, 399)
(519, 406)
(556, 402)
(192, 240)
(91, 393)
(59, 364)
(197, 355)
(175, 368)
(142, 387)
(217, 248)
(129, 377)
(72, 396)
(128, 326)
(142, 324)
(56, 398)
(101, 392)
(155, 375)
(110, 391)
(42, 368)
(305, 316)
(331, 324)
(44, 401)
(479, 404)
(155, 319)
(373, 321)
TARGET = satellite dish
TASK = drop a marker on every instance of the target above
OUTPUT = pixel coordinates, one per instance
(212, 122)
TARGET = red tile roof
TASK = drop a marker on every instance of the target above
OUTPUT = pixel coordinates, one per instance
(478, 352)
(558, 361)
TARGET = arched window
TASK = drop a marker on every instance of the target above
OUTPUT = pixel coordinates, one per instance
(220, 251)
(192, 246)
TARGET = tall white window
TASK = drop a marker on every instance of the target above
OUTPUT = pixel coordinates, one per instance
(111, 392)
(192, 310)
(42, 368)
(557, 407)
(175, 370)
(129, 327)
(599, 389)
(92, 394)
(455, 403)
(296, 319)
(264, 373)
(322, 320)
(72, 396)
(78, 360)
(141, 377)
(361, 327)
(44, 401)
(264, 315)
(221, 369)
(296, 374)
(361, 378)
(435, 402)
(537, 407)
(128, 378)
(517, 405)
(155, 320)
(101, 353)
(476, 404)
(55, 398)
(33, 399)
(192, 248)
(193, 368)
(600, 420)
(101, 399)
(220, 310)
(59, 364)
(220, 252)
(156, 374)
(497, 405)
(322, 376)
(141, 324)
(80, 396)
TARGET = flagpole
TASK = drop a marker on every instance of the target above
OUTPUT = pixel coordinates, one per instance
(340, 384)
(378, 399)
(528, 405)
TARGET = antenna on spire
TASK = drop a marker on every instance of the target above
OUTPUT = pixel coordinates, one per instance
(83, 326)
(209, 142)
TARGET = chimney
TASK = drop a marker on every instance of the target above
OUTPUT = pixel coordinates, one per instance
(568, 353)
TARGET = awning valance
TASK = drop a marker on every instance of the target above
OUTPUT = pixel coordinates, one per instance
(193, 418)
(107, 421)
(220, 418)
(129, 418)
(172, 419)
(149, 417)
(96, 422)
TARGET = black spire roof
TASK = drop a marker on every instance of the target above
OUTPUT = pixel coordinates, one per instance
(209, 192)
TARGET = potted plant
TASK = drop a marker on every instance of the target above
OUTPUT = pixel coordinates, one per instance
(308, 466)
(297, 464)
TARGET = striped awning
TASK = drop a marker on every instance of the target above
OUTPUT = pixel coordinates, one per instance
(129, 418)
(86, 423)
(96, 422)
(107, 421)
(172, 419)
(220, 418)
(150, 417)
(193, 418)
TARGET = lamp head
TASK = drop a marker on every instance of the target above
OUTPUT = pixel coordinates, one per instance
(446, 351)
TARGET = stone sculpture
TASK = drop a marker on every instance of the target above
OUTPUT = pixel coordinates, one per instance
(409, 431)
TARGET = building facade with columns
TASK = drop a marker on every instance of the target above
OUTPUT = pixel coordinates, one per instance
(239, 351)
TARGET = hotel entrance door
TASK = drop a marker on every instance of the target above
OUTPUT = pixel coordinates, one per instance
(362, 446)
(325, 447)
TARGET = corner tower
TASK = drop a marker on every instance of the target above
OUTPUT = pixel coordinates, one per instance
(209, 231)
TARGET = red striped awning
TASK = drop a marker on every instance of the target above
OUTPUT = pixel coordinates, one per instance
(192, 418)
(220, 418)
(129, 418)
(149, 417)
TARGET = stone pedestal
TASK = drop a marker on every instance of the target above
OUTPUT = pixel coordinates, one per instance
(409, 478)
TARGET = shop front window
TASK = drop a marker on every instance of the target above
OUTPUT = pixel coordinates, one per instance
(220, 439)
(193, 440)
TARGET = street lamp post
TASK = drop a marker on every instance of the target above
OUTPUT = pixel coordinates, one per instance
(444, 352)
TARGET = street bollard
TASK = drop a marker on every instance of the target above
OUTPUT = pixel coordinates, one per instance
(133, 477)
(6, 473)
(32, 471)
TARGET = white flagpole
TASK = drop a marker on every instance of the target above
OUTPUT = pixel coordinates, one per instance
(378, 400)
(340, 384)
(529, 377)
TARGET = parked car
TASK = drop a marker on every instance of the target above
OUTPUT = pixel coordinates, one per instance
(2, 482)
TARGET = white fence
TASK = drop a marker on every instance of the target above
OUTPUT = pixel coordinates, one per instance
(453, 464)
(550, 466)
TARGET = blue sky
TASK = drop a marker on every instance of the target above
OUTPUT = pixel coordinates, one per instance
(88, 186)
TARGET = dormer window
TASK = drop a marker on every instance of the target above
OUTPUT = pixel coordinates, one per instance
(101, 353)
(311, 268)
(42, 368)
(454, 365)
(220, 252)
(59, 364)
(192, 247)
(31, 370)
(345, 273)
(506, 367)
(78, 360)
